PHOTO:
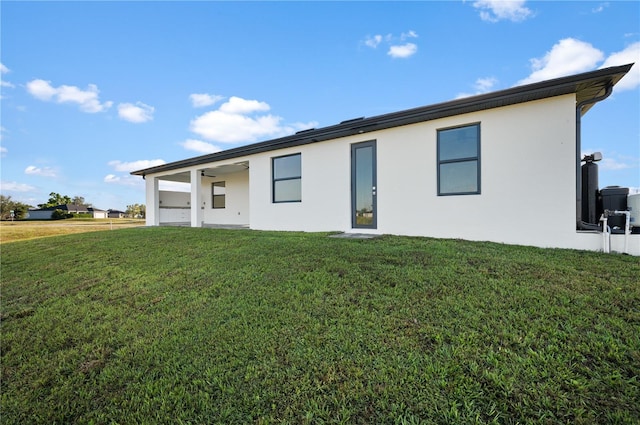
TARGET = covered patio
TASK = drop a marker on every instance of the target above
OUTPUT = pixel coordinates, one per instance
(196, 208)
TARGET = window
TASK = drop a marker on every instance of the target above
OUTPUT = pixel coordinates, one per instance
(287, 178)
(219, 193)
(459, 160)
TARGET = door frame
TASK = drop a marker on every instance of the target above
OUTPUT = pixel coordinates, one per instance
(354, 148)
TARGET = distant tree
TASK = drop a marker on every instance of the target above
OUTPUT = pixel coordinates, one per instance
(137, 210)
(7, 205)
(55, 199)
(78, 200)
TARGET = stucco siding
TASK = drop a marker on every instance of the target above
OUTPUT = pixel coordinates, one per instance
(527, 183)
(325, 190)
(236, 210)
(527, 178)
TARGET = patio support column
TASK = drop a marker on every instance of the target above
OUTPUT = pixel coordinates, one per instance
(197, 212)
(152, 215)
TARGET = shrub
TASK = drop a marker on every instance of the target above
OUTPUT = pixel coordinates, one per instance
(60, 215)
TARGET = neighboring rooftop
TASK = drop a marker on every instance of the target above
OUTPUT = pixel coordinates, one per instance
(69, 207)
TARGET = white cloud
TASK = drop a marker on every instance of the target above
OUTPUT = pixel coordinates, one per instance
(239, 121)
(86, 99)
(36, 171)
(238, 105)
(396, 50)
(199, 100)
(41, 89)
(5, 70)
(410, 34)
(613, 161)
(403, 51)
(599, 8)
(199, 146)
(127, 167)
(498, 10)
(15, 187)
(3, 151)
(613, 164)
(135, 113)
(374, 41)
(135, 165)
(481, 86)
(234, 128)
(568, 56)
(628, 55)
(123, 180)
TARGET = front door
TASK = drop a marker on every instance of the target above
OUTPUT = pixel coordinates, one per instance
(363, 185)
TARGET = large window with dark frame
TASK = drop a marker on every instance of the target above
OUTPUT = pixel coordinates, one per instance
(218, 194)
(287, 178)
(459, 160)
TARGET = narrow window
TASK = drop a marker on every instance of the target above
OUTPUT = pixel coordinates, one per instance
(218, 192)
(459, 160)
(287, 178)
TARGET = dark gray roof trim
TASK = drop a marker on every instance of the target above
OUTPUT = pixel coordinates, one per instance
(69, 207)
(586, 86)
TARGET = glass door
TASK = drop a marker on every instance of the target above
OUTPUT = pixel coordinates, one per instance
(363, 185)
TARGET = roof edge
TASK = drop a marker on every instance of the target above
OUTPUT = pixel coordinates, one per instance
(513, 95)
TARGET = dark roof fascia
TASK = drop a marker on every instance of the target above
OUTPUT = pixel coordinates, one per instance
(589, 83)
(63, 207)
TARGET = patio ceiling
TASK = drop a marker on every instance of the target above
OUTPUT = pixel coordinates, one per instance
(221, 170)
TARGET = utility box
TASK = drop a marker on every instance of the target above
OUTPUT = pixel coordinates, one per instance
(614, 198)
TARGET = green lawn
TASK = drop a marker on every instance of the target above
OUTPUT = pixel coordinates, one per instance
(206, 326)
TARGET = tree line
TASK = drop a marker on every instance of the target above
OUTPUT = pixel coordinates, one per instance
(11, 209)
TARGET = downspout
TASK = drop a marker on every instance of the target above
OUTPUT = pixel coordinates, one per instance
(608, 89)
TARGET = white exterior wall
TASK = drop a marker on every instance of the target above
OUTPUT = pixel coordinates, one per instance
(236, 210)
(172, 199)
(527, 179)
(175, 207)
(527, 160)
(152, 217)
(326, 190)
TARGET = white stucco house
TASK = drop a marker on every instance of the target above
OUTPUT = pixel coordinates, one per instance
(503, 167)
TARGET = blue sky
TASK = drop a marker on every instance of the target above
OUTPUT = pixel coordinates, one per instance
(94, 90)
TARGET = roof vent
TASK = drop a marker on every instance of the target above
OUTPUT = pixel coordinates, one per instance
(305, 131)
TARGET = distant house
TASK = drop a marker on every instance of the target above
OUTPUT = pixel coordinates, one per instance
(84, 210)
(502, 166)
(117, 214)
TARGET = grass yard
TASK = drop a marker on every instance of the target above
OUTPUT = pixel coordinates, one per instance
(208, 326)
(11, 231)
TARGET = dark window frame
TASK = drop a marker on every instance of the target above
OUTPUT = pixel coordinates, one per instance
(459, 160)
(275, 180)
(214, 195)
(374, 205)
